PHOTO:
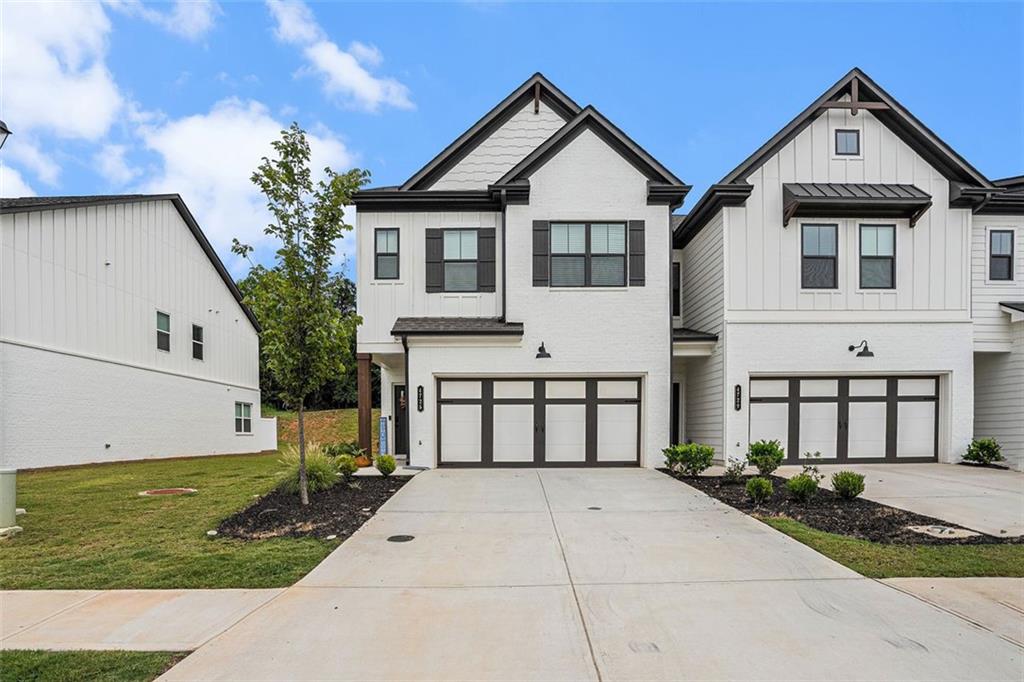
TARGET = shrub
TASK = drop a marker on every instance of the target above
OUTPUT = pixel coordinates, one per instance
(733, 473)
(759, 489)
(348, 448)
(385, 465)
(346, 465)
(812, 469)
(802, 487)
(984, 451)
(847, 484)
(766, 455)
(321, 470)
(689, 459)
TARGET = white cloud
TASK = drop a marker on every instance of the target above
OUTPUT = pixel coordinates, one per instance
(189, 19)
(209, 158)
(12, 185)
(343, 73)
(25, 152)
(111, 163)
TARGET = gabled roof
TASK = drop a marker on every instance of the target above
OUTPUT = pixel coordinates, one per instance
(559, 102)
(22, 204)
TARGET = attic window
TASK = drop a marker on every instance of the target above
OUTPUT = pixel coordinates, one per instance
(847, 143)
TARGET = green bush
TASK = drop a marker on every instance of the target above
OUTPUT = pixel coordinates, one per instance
(766, 455)
(802, 487)
(733, 473)
(847, 484)
(346, 465)
(984, 451)
(385, 465)
(321, 470)
(348, 448)
(689, 459)
(759, 489)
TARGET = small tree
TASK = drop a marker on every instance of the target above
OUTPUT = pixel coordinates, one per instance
(305, 337)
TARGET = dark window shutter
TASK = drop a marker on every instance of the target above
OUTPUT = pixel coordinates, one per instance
(540, 253)
(636, 253)
(435, 261)
(485, 259)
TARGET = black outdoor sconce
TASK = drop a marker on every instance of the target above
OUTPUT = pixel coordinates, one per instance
(865, 352)
(542, 352)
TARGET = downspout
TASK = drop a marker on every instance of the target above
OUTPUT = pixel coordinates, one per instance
(504, 204)
(408, 402)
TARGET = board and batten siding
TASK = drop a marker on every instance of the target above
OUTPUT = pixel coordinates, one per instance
(992, 328)
(703, 307)
(381, 301)
(503, 149)
(932, 281)
(999, 397)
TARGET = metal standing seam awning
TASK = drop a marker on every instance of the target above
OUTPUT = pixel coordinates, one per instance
(863, 200)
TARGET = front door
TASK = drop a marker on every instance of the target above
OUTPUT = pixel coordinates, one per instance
(399, 410)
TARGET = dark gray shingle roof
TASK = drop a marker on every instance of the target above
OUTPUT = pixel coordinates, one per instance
(685, 334)
(15, 203)
(455, 326)
(1015, 305)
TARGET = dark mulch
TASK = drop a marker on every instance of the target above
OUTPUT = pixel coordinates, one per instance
(340, 511)
(859, 518)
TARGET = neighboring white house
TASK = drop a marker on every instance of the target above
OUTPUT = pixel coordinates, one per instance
(122, 336)
(524, 301)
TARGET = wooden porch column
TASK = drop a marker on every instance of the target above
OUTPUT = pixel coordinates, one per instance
(364, 400)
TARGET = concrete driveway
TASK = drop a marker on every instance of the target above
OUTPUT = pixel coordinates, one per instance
(606, 574)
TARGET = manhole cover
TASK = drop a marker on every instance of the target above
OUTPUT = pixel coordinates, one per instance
(401, 538)
(168, 491)
(594, 508)
(937, 531)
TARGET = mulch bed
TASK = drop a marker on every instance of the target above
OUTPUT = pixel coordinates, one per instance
(858, 518)
(340, 511)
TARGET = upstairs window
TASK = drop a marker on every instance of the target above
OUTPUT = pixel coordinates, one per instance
(1000, 255)
(385, 264)
(163, 332)
(818, 256)
(243, 417)
(877, 257)
(847, 143)
(197, 342)
(676, 291)
(460, 260)
(588, 254)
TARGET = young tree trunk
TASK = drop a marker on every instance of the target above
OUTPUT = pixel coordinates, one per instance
(303, 489)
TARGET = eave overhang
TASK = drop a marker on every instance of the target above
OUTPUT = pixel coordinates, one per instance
(860, 200)
(717, 196)
(376, 200)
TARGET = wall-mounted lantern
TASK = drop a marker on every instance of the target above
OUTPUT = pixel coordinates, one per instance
(865, 351)
(542, 352)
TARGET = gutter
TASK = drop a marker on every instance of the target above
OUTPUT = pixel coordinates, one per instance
(504, 229)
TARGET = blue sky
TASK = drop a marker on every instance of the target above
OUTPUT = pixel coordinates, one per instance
(123, 96)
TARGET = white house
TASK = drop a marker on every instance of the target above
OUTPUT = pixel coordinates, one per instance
(122, 336)
(531, 300)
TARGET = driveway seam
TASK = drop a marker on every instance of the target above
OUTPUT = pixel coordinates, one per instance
(572, 585)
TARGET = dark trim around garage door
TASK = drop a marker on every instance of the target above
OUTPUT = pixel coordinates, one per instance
(487, 401)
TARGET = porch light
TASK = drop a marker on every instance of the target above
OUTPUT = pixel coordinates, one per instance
(542, 352)
(865, 352)
(5, 132)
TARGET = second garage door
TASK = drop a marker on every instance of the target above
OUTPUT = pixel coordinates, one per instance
(538, 422)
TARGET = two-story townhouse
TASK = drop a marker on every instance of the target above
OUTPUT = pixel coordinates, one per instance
(852, 271)
(122, 336)
(515, 293)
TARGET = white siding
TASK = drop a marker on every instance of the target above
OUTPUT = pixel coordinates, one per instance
(703, 309)
(507, 146)
(764, 257)
(992, 328)
(999, 398)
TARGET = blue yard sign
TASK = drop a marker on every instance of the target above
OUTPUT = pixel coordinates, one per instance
(382, 447)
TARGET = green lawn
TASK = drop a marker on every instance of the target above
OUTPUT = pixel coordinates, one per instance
(325, 426)
(876, 560)
(79, 666)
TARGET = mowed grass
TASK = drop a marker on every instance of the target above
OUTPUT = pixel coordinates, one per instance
(324, 426)
(77, 666)
(876, 560)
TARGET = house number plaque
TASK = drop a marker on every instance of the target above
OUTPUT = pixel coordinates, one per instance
(419, 398)
(738, 392)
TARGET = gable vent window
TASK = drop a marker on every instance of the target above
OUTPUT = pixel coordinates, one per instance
(163, 332)
(1000, 255)
(877, 257)
(243, 417)
(847, 143)
(818, 257)
(460, 260)
(385, 265)
(588, 254)
(197, 342)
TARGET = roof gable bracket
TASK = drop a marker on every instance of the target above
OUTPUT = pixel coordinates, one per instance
(855, 103)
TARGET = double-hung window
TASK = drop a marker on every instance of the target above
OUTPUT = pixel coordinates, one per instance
(819, 249)
(1000, 255)
(385, 255)
(243, 417)
(877, 257)
(163, 331)
(460, 260)
(588, 254)
(197, 342)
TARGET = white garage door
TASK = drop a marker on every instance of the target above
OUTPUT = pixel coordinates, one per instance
(857, 419)
(537, 422)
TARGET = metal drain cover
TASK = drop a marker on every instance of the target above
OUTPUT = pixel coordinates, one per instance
(401, 538)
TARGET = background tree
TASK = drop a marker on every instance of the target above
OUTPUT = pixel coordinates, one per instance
(306, 339)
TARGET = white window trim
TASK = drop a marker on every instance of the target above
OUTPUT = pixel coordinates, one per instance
(243, 433)
(192, 341)
(840, 224)
(160, 331)
(833, 151)
(988, 256)
(897, 224)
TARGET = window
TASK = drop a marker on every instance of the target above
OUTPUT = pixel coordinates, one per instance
(847, 143)
(676, 292)
(197, 342)
(1000, 255)
(163, 331)
(385, 264)
(818, 266)
(588, 254)
(460, 260)
(243, 417)
(877, 257)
